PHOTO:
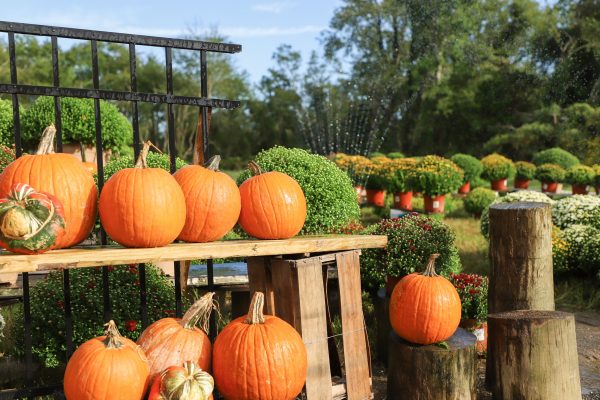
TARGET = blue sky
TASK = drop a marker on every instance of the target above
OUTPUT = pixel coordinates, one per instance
(258, 25)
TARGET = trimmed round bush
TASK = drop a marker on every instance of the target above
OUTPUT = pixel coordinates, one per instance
(523, 195)
(395, 155)
(330, 197)
(6, 123)
(435, 175)
(550, 173)
(470, 165)
(555, 155)
(478, 200)
(78, 123)
(496, 166)
(411, 240)
(580, 175)
(525, 170)
(155, 160)
(577, 209)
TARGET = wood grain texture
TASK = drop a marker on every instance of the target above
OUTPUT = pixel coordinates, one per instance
(112, 255)
(417, 372)
(533, 355)
(259, 280)
(521, 274)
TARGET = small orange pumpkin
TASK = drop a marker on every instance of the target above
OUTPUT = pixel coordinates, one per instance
(182, 383)
(108, 367)
(273, 205)
(259, 357)
(141, 206)
(425, 308)
(173, 341)
(212, 202)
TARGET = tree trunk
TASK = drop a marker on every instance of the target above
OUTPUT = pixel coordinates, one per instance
(521, 257)
(431, 372)
(533, 355)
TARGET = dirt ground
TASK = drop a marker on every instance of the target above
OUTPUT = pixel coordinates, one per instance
(588, 347)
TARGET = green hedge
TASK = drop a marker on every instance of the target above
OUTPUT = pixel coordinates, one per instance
(555, 155)
(471, 166)
(6, 123)
(478, 200)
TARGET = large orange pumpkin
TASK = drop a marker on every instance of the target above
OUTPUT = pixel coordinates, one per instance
(425, 308)
(259, 357)
(212, 202)
(273, 205)
(108, 367)
(172, 341)
(141, 206)
(182, 383)
(62, 176)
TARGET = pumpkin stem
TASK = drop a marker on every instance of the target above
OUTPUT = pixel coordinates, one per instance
(46, 145)
(213, 163)
(430, 269)
(255, 168)
(142, 161)
(255, 313)
(113, 337)
(199, 312)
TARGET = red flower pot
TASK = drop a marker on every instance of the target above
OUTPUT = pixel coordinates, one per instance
(403, 200)
(479, 330)
(550, 187)
(521, 183)
(579, 189)
(464, 189)
(434, 204)
(376, 197)
(499, 185)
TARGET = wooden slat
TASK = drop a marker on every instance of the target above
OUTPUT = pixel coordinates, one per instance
(285, 288)
(259, 280)
(356, 359)
(314, 328)
(97, 256)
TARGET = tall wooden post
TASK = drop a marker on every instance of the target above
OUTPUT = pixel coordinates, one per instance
(521, 257)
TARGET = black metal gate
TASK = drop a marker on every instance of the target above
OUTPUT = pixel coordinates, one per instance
(133, 96)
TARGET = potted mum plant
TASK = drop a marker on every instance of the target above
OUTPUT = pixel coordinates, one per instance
(357, 169)
(378, 181)
(399, 186)
(497, 169)
(525, 173)
(580, 176)
(478, 200)
(435, 176)
(550, 175)
(473, 292)
(471, 167)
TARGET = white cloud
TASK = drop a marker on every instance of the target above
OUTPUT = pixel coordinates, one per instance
(274, 7)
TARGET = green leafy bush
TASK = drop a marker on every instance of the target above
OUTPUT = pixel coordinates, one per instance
(395, 155)
(330, 198)
(470, 165)
(525, 170)
(155, 160)
(47, 308)
(6, 123)
(78, 123)
(473, 292)
(434, 175)
(550, 173)
(400, 168)
(580, 175)
(496, 166)
(478, 200)
(555, 155)
(411, 240)
(575, 210)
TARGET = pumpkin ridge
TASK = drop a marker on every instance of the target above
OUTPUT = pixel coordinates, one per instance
(209, 202)
(132, 192)
(274, 211)
(257, 187)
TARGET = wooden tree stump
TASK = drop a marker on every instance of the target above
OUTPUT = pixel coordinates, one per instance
(533, 355)
(417, 372)
(381, 304)
(521, 276)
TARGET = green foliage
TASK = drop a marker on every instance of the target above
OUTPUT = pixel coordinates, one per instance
(7, 155)
(525, 170)
(580, 175)
(555, 155)
(473, 292)
(550, 173)
(376, 155)
(496, 166)
(6, 122)
(401, 169)
(395, 154)
(478, 200)
(411, 240)
(47, 308)
(470, 165)
(155, 160)
(78, 122)
(330, 197)
(380, 173)
(434, 175)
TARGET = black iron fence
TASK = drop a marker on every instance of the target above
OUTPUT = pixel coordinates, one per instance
(133, 96)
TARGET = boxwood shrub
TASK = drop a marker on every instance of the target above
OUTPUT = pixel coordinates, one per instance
(471, 166)
(6, 123)
(555, 155)
(155, 160)
(330, 196)
(580, 175)
(478, 200)
(550, 173)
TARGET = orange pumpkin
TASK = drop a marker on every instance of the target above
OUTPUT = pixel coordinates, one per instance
(173, 341)
(273, 205)
(259, 357)
(62, 176)
(425, 308)
(212, 202)
(108, 367)
(141, 206)
(182, 383)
